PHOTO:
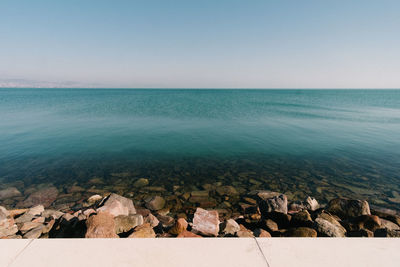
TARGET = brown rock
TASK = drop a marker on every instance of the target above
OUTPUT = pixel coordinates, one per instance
(348, 208)
(155, 203)
(101, 225)
(301, 232)
(187, 234)
(152, 220)
(271, 225)
(44, 196)
(227, 190)
(301, 218)
(180, 226)
(369, 222)
(143, 231)
(206, 222)
(124, 223)
(261, 233)
(244, 232)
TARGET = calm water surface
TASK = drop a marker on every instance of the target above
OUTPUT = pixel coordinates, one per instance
(325, 143)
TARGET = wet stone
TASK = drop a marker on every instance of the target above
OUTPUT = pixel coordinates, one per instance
(45, 196)
(10, 192)
(141, 182)
(155, 203)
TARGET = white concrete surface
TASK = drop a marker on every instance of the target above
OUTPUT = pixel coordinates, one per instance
(221, 252)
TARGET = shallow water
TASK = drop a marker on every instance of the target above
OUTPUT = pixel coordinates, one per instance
(325, 143)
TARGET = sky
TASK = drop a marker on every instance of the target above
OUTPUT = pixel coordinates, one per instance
(200, 44)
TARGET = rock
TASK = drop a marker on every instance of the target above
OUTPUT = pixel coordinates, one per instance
(36, 210)
(117, 205)
(7, 224)
(44, 196)
(227, 190)
(166, 221)
(152, 220)
(244, 232)
(90, 211)
(301, 218)
(187, 234)
(180, 226)
(17, 212)
(199, 194)
(164, 211)
(348, 208)
(10, 192)
(206, 222)
(25, 227)
(326, 228)
(282, 219)
(94, 199)
(231, 227)
(141, 182)
(34, 233)
(269, 203)
(55, 214)
(301, 232)
(369, 222)
(384, 232)
(330, 218)
(389, 225)
(101, 225)
(311, 203)
(24, 218)
(75, 189)
(387, 215)
(271, 225)
(143, 231)
(124, 223)
(360, 233)
(48, 226)
(261, 233)
(155, 203)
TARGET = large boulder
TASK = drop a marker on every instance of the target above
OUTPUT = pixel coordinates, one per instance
(330, 229)
(368, 222)
(348, 208)
(272, 202)
(9, 193)
(44, 196)
(124, 223)
(117, 205)
(206, 222)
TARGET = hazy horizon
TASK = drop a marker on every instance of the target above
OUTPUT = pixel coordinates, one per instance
(207, 44)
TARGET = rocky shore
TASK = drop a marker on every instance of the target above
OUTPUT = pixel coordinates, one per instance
(262, 214)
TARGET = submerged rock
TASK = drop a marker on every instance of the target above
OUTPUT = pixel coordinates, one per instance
(141, 182)
(227, 190)
(101, 225)
(206, 222)
(45, 196)
(117, 205)
(155, 203)
(348, 208)
(10, 192)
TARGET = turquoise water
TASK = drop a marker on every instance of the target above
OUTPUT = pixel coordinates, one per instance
(291, 140)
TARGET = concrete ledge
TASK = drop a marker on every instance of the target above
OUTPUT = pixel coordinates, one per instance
(272, 252)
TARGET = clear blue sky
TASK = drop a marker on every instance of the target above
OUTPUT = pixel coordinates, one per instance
(202, 43)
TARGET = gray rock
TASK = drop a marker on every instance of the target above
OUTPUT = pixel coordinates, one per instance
(55, 214)
(311, 203)
(117, 205)
(276, 203)
(155, 203)
(231, 227)
(27, 226)
(9, 193)
(124, 223)
(327, 228)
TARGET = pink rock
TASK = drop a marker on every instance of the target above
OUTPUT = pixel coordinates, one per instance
(117, 205)
(206, 222)
(101, 225)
